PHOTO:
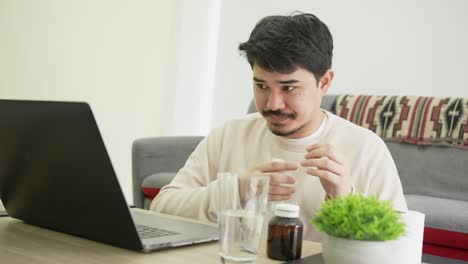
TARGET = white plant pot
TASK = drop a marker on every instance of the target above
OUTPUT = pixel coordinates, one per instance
(337, 250)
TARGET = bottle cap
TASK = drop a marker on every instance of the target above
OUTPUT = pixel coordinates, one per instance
(287, 210)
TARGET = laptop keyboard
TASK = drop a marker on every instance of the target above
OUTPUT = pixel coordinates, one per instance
(151, 232)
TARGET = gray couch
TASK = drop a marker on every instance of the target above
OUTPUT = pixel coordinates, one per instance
(434, 179)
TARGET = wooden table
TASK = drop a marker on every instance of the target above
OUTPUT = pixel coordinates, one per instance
(23, 243)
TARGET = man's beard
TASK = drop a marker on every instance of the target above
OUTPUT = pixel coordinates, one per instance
(292, 116)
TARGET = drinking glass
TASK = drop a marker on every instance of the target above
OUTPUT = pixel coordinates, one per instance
(241, 208)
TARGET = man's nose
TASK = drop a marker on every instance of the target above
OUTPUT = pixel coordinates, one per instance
(275, 101)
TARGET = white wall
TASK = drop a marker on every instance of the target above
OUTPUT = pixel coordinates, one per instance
(115, 54)
(403, 47)
(196, 45)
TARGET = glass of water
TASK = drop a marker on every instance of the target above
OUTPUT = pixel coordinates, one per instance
(241, 208)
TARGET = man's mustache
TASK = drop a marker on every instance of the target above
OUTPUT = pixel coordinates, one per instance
(267, 113)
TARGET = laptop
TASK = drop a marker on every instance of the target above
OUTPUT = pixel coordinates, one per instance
(55, 173)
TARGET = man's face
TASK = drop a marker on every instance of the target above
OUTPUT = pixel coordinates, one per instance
(290, 103)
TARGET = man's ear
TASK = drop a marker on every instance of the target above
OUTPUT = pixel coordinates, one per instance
(326, 81)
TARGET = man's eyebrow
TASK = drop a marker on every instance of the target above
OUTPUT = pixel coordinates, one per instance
(281, 82)
(288, 81)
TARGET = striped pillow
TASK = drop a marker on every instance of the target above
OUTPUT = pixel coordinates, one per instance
(409, 119)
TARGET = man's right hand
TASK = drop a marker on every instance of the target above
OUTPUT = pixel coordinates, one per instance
(280, 184)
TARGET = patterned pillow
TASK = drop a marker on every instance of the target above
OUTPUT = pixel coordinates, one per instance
(409, 119)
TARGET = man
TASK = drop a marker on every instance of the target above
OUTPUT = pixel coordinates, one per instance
(325, 156)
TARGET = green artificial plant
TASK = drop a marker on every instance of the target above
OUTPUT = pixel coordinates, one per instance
(359, 218)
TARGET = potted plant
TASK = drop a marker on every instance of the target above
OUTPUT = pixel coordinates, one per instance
(358, 229)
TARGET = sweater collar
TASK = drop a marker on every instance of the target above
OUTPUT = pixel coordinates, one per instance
(299, 145)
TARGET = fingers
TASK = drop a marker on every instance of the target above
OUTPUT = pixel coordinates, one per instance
(280, 184)
(324, 150)
(324, 175)
(277, 178)
(275, 167)
(334, 185)
(324, 164)
(281, 190)
(281, 187)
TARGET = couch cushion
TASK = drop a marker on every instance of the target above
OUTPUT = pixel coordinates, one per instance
(441, 213)
(446, 238)
(153, 183)
(432, 170)
(409, 119)
(446, 220)
(447, 255)
(147, 202)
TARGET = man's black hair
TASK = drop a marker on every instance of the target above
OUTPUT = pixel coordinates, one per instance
(285, 43)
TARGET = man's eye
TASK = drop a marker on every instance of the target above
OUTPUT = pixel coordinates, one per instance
(261, 86)
(289, 88)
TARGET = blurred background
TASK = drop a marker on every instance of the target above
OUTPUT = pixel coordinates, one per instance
(171, 67)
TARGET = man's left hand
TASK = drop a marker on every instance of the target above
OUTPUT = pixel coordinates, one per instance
(330, 167)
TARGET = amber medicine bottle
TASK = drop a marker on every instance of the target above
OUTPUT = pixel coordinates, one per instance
(285, 233)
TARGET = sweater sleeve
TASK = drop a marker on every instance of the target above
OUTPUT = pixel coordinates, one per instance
(381, 176)
(193, 190)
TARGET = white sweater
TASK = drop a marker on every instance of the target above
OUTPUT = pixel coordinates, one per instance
(240, 145)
